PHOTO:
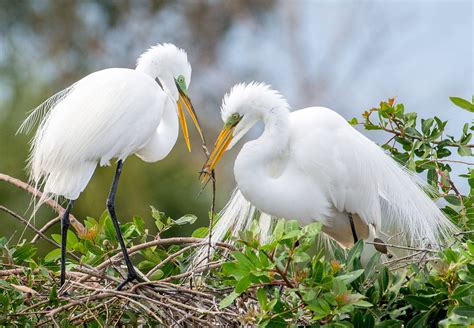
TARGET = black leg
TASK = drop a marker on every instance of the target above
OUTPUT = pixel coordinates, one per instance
(64, 227)
(353, 229)
(132, 275)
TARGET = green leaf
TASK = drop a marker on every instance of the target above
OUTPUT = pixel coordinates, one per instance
(24, 252)
(139, 224)
(353, 121)
(242, 285)
(56, 238)
(464, 151)
(200, 232)
(443, 152)
(462, 291)
(262, 298)
(109, 229)
(243, 261)
(383, 280)
(301, 257)
(355, 251)
(426, 125)
(419, 302)
(464, 311)
(186, 219)
(53, 255)
(462, 103)
(228, 300)
(311, 229)
(53, 296)
(362, 304)
(418, 321)
(159, 217)
(157, 275)
(453, 200)
(390, 324)
(358, 320)
(350, 277)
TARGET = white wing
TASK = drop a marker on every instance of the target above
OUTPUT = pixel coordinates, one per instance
(107, 114)
(364, 180)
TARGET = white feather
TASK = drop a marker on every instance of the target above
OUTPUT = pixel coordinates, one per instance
(311, 165)
(109, 114)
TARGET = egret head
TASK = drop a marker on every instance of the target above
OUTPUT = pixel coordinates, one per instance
(242, 107)
(169, 66)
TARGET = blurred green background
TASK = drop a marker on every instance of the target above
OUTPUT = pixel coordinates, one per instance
(346, 55)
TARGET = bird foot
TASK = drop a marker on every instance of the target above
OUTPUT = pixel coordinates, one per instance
(131, 277)
(64, 294)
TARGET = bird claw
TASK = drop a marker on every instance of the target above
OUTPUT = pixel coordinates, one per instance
(131, 277)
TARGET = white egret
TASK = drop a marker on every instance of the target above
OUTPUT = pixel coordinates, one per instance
(311, 165)
(112, 113)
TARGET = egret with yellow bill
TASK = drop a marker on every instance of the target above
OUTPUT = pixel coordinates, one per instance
(311, 165)
(110, 114)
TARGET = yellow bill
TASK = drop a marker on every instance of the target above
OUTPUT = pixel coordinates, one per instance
(184, 125)
(184, 100)
(222, 142)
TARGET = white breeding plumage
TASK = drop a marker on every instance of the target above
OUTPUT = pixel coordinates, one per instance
(112, 113)
(311, 165)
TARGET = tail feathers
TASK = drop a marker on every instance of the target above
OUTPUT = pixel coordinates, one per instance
(408, 213)
(40, 113)
(68, 181)
(236, 216)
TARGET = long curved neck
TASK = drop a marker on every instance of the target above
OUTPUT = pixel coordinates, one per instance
(262, 161)
(165, 137)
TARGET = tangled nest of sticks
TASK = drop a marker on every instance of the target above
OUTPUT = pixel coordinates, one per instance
(90, 291)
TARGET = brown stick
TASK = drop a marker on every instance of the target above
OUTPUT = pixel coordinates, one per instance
(80, 229)
(168, 241)
(48, 224)
(32, 227)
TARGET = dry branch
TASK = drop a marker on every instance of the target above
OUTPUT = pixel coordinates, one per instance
(80, 229)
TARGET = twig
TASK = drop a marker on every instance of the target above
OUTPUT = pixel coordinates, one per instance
(213, 203)
(32, 227)
(403, 247)
(210, 265)
(211, 219)
(28, 224)
(156, 242)
(48, 224)
(171, 257)
(451, 161)
(9, 272)
(399, 134)
(49, 201)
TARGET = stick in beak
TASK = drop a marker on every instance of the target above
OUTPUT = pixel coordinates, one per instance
(222, 142)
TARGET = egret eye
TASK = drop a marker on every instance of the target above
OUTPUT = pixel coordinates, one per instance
(180, 79)
(234, 119)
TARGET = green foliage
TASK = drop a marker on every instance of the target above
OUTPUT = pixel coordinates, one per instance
(423, 147)
(291, 286)
(284, 282)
